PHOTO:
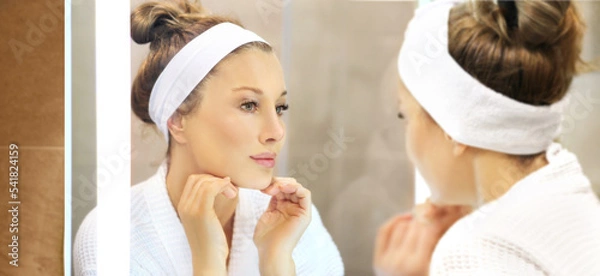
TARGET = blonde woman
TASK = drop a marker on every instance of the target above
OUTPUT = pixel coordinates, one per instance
(483, 90)
(216, 91)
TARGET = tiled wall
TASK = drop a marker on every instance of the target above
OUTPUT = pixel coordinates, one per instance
(31, 115)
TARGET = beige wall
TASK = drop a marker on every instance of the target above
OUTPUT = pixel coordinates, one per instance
(343, 77)
(84, 111)
(582, 124)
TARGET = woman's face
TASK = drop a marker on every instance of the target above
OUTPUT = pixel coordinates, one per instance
(237, 129)
(448, 174)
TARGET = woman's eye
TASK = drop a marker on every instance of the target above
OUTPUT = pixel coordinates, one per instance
(249, 106)
(280, 109)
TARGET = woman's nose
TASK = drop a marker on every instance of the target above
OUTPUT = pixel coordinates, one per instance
(273, 129)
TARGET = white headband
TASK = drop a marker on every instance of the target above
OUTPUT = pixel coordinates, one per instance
(190, 66)
(465, 109)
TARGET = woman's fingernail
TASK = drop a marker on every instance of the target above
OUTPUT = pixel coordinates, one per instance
(230, 192)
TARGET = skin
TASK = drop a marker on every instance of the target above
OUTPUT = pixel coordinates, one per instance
(460, 178)
(239, 116)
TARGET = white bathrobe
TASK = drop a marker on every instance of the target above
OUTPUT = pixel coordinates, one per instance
(159, 245)
(547, 224)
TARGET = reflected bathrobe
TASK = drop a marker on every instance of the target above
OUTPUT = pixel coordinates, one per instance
(159, 245)
(546, 224)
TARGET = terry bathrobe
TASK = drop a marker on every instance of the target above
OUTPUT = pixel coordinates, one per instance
(159, 245)
(547, 224)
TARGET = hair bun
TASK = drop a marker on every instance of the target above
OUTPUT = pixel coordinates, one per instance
(154, 20)
(544, 22)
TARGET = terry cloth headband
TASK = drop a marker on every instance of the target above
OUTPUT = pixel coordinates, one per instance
(190, 66)
(464, 108)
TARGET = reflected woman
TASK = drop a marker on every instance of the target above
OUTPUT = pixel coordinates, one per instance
(216, 91)
(483, 91)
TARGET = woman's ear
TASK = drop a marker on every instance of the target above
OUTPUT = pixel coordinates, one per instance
(175, 124)
(457, 147)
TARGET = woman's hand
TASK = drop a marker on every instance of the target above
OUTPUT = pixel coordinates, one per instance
(279, 229)
(201, 224)
(405, 243)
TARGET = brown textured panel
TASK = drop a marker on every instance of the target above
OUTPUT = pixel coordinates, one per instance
(31, 115)
(40, 215)
(32, 78)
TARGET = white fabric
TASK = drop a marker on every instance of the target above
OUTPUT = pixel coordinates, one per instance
(159, 245)
(546, 224)
(190, 66)
(467, 110)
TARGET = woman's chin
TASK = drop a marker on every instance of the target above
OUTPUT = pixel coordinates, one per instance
(254, 183)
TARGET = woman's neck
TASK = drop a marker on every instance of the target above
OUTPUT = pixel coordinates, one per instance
(496, 173)
(179, 169)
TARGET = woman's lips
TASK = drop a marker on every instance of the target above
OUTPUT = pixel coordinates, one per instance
(266, 159)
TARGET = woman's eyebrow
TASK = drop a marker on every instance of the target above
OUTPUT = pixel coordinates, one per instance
(253, 89)
(256, 90)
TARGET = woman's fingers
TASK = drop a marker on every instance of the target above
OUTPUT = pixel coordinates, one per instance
(444, 218)
(277, 183)
(210, 190)
(388, 234)
(272, 189)
(295, 192)
(200, 191)
(286, 188)
(400, 231)
(405, 244)
(187, 191)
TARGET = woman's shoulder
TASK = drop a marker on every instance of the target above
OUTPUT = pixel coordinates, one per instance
(85, 238)
(84, 246)
(535, 235)
(142, 233)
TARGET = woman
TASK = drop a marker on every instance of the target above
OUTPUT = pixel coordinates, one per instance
(216, 91)
(483, 89)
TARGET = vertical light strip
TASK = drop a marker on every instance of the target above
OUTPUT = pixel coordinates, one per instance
(422, 191)
(68, 144)
(113, 134)
(424, 2)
